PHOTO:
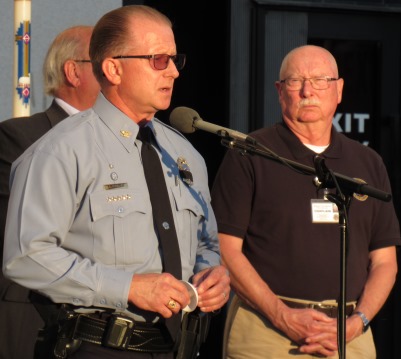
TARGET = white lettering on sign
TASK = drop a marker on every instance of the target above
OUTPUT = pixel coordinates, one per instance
(350, 121)
(359, 119)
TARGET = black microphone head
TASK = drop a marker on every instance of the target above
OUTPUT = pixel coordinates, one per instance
(182, 119)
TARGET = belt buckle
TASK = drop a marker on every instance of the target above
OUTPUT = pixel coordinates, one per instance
(330, 310)
(321, 306)
(118, 332)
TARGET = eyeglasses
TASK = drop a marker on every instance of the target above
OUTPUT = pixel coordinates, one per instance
(318, 83)
(159, 61)
(82, 60)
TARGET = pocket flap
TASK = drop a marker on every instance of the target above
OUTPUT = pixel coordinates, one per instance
(185, 200)
(119, 202)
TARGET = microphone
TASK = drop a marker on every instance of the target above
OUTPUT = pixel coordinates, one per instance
(187, 120)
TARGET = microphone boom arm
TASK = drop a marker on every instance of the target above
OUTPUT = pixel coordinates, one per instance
(346, 183)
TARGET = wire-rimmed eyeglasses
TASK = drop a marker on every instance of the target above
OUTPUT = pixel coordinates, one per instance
(158, 61)
(318, 83)
(82, 60)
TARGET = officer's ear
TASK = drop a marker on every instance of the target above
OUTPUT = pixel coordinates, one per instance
(112, 70)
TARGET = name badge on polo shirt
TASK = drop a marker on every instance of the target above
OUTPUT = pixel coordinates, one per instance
(324, 211)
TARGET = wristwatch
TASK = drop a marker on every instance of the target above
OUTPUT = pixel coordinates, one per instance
(364, 320)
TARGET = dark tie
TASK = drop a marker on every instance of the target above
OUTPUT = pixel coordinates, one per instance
(162, 215)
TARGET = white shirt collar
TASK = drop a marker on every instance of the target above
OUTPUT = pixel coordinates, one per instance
(66, 107)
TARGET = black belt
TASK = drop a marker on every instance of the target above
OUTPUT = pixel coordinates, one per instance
(329, 310)
(122, 333)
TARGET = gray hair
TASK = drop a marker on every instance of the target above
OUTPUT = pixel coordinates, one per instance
(68, 45)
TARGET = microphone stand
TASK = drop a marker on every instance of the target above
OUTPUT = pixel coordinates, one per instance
(326, 178)
(343, 202)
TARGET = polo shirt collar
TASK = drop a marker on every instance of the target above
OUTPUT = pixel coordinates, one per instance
(300, 151)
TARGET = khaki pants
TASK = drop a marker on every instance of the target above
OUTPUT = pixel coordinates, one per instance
(248, 335)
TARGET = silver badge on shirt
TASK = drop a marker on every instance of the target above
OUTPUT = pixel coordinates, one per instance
(184, 170)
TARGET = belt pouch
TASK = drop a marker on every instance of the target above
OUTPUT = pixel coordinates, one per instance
(118, 332)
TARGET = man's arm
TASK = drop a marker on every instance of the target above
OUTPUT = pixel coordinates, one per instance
(381, 279)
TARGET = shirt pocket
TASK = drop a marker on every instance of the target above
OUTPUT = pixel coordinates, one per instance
(118, 219)
(190, 215)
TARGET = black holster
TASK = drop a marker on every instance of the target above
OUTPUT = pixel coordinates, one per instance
(65, 343)
(55, 339)
(194, 331)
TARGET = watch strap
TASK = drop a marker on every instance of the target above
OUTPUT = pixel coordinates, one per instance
(365, 320)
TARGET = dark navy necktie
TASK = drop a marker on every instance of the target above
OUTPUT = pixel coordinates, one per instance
(162, 215)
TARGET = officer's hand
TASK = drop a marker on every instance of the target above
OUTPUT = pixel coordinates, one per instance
(213, 285)
(161, 293)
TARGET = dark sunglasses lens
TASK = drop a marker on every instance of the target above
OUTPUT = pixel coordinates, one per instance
(179, 61)
(161, 61)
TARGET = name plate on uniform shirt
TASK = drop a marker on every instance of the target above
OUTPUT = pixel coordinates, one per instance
(324, 211)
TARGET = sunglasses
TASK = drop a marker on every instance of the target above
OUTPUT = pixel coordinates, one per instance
(159, 61)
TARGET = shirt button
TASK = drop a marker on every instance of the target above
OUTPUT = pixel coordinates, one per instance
(165, 225)
(120, 209)
(103, 301)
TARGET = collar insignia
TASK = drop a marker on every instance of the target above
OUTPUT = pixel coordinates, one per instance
(125, 133)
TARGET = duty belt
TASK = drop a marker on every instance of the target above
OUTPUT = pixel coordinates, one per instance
(121, 332)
